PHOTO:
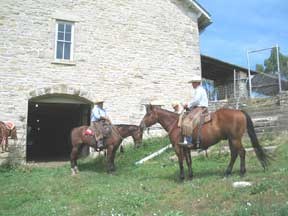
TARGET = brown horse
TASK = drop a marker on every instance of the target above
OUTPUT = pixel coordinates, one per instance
(7, 129)
(119, 132)
(225, 124)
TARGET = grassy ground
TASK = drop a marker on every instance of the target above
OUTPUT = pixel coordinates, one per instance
(149, 189)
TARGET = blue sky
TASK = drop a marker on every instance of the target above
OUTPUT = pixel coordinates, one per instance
(244, 25)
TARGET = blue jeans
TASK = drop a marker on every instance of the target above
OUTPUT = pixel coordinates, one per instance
(188, 139)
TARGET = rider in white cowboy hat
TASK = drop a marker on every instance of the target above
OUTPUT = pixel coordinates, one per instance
(101, 122)
(98, 112)
(199, 101)
(200, 98)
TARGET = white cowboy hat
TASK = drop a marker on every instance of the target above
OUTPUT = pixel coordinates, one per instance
(157, 103)
(99, 100)
(195, 80)
(175, 103)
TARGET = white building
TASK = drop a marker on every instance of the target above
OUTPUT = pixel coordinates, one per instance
(56, 57)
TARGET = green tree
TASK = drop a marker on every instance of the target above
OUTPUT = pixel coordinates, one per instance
(259, 67)
(270, 64)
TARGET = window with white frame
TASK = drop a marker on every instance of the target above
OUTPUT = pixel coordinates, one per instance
(64, 40)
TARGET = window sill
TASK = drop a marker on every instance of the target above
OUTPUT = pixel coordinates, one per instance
(64, 62)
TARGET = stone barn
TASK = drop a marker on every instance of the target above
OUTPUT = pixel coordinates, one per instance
(57, 57)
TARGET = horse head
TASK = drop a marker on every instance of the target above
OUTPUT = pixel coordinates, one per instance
(137, 136)
(11, 128)
(150, 117)
(13, 133)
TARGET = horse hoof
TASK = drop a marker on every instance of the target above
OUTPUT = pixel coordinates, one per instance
(111, 171)
(74, 171)
(182, 178)
(227, 174)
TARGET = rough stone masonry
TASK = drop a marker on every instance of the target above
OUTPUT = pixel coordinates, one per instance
(128, 52)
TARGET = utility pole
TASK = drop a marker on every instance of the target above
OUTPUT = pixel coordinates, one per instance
(278, 68)
(249, 71)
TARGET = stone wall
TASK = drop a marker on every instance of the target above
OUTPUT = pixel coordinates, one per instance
(283, 100)
(128, 52)
(270, 115)
(226, 89)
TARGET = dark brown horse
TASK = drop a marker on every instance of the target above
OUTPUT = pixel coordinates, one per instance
(7, 129)
(226, 124)
(119, 132)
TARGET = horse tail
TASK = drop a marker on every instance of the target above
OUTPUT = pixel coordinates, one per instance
(260, 153)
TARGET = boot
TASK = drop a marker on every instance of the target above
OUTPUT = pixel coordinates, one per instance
(183, 143)
(100, 144)
(187, 142)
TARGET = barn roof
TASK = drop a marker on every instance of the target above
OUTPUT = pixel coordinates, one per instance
(215, 69)
(204, 18)
(268, 84)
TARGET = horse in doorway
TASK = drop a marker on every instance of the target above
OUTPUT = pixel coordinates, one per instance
(119, 132)
(7, 129)
(225, 124)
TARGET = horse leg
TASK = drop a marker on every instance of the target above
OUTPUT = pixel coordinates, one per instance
(239, 149)
(181, 169)
(6, 144)
(179, 153)
(188, 162)
(73, 159)
(111, 151)
(3, 145)
(242, 153)
(234, 154)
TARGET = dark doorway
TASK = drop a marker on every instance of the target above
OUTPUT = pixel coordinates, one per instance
(49, 127)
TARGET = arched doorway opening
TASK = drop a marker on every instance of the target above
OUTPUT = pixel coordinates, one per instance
(49, 123)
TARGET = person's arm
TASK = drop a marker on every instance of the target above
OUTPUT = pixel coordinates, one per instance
(104, 116)
(196, 99)
(95, 114)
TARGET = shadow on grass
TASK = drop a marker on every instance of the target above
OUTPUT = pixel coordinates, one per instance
(213, 173)
(175, 176)
(93, 165)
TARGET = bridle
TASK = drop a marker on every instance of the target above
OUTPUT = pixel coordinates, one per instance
(144, 127)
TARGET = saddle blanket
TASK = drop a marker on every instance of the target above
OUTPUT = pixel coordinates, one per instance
(89, 132)
(192, 120)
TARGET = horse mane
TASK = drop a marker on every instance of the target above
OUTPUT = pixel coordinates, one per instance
(167, 111)
(123, 125)
(129, 126)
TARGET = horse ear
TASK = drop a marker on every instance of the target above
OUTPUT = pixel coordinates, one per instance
(148, 108)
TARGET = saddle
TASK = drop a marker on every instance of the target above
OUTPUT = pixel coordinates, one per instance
(9, 125)
(89, 132)
(97, 133)
(194, 119)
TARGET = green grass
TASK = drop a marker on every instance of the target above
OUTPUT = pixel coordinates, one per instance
(149, 189)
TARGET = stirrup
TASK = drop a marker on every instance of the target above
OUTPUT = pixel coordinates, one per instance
(182, 144)
(100, 145)
(188, 145)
